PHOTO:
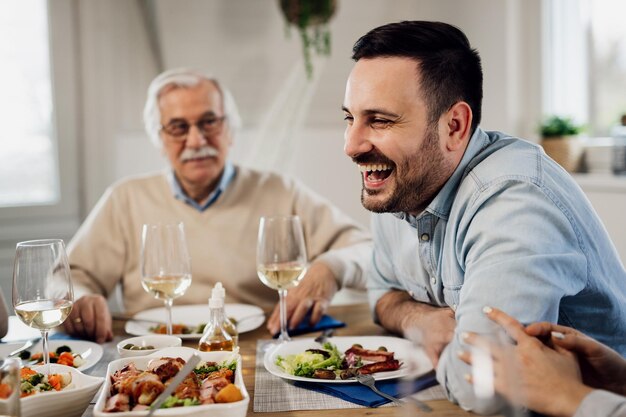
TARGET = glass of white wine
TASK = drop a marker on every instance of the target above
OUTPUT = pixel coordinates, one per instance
(165, 263)
(42, 287)
(281, 259)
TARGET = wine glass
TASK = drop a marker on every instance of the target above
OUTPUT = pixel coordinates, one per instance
(281, 259)
(165, 263)
(494, 369)
(42, 287)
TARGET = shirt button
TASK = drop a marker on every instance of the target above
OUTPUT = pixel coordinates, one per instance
(411, 293)
(433, 280)
(454, 307)
(425, 237)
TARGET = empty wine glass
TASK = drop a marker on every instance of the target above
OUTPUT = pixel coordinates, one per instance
(281, 259)
(165, 263)
(42, 287)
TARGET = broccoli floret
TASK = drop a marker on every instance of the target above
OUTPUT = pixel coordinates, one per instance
(35, 379)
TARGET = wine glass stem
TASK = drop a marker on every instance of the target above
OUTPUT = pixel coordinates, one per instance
(46, 351)
(168, 307)
(284, 336)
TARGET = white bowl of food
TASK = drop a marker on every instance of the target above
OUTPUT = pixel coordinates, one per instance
(76, 391)
(146, 345)
(132, 385)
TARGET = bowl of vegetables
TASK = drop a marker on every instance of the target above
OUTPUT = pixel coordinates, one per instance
(64, 392)
(145, 345)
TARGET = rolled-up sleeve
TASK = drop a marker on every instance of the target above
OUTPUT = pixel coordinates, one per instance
(599, 403)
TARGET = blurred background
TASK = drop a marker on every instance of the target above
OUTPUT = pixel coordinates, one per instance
(74, 75)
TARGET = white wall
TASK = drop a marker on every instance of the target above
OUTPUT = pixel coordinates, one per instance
(244, 44)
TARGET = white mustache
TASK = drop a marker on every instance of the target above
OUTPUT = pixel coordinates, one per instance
(204, 152)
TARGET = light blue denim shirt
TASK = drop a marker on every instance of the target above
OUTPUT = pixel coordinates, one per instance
(179, 193)
(510, 229)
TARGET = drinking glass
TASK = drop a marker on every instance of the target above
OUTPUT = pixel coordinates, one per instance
(165, 263)
(42, 287)
(281, 259)
(10, 382)
(493, 358)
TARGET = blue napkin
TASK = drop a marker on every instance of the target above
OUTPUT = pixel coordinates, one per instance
(362, 395)
(62, 336)
(326, 322)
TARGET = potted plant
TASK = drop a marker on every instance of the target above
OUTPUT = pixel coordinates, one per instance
(560, 140)
(311, 17)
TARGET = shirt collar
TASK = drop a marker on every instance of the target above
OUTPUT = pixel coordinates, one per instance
(441, 204)
(177, 190)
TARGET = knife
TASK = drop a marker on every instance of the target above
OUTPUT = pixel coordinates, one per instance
(122, 317)
(25, 346)
(189, 366)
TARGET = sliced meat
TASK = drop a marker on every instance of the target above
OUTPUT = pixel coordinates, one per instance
(383, 366)
(189, 388)
(121, 375)
(118, 402)
(222, 373)
(165, 368)
(142, 388)
(324, 374)
(370, 355)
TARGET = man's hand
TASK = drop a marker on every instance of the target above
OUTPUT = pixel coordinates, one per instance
(434, 328)
(431, 326)
(314, 292)
(601, 366)
(90, 319)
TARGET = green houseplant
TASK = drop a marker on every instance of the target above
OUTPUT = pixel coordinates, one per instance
(311, 18)
(556, 126)
(559, 138)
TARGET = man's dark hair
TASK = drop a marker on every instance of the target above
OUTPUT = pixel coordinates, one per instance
(450, 68)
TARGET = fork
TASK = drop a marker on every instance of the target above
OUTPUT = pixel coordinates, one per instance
(368, 381)
(321, 339)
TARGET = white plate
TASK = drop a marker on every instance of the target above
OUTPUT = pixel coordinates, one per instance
(403, 350)
(236, 409)
(249, 316)
(77, 346)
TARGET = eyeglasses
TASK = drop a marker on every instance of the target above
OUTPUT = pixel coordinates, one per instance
(209, 126)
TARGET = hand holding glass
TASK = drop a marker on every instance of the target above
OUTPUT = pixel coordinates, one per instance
(281, 259)
(165, 263)
(42, 288)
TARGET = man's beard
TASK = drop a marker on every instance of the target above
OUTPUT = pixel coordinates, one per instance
(423, 175)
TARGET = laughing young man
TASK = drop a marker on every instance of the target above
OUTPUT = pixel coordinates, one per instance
(465, 217)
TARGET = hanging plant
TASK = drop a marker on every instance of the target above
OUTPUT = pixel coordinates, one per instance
(311, 17)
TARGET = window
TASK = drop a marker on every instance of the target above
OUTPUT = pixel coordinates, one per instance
(28, 161)
(584, 62)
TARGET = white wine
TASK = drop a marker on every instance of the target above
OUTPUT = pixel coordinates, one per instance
(43, 314)
(167, 287)
(281, 276)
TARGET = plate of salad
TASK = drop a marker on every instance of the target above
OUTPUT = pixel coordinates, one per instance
(78, 354)
(339, 359)
(188, 321)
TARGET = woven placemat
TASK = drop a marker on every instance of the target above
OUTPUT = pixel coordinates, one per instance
(273, 394)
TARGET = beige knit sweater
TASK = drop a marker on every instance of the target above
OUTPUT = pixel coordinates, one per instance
(221, 240)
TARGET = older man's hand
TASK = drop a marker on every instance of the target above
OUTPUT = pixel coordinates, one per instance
(90, 319)
(313, 293)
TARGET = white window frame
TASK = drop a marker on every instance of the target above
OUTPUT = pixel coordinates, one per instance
(565, 59)
(59, 219)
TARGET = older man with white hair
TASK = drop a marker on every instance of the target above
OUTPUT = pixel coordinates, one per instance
(192, 118)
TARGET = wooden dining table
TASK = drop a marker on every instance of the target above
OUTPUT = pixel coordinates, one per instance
(358, 323)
